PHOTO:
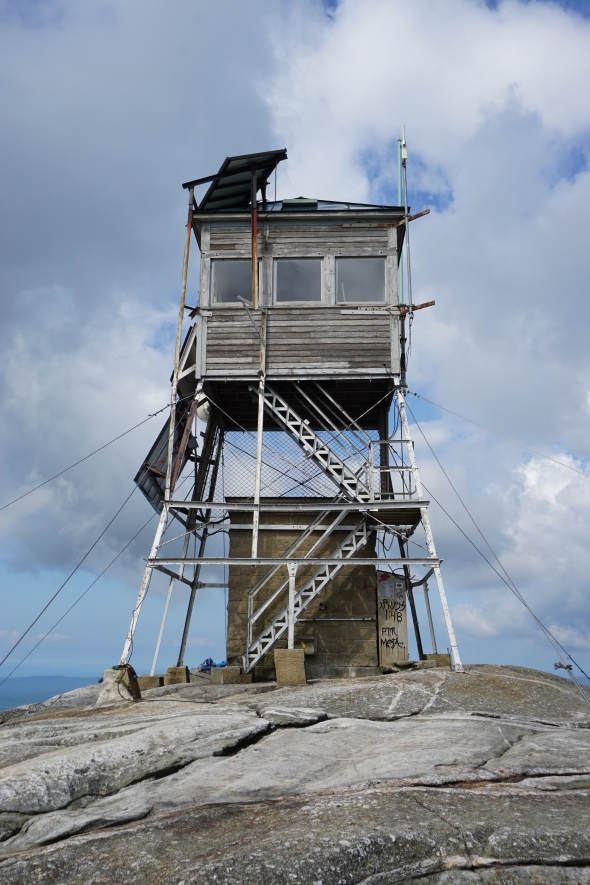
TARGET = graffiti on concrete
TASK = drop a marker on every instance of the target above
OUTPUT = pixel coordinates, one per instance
(392, 623)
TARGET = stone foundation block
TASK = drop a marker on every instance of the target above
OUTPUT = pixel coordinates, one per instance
(290, 666)
(119, 686)
(229, 676)
(176, 676)
(440, 660)
(147, 682)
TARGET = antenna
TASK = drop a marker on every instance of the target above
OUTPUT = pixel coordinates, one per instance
(404, 157)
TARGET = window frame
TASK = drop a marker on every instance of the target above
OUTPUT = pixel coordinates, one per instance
(387, 294)
(274, 289)
(229, 304)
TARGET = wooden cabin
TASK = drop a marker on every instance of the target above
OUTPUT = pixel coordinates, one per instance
(327, 274)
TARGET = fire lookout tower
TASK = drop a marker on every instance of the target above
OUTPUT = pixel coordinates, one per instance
(296, 362)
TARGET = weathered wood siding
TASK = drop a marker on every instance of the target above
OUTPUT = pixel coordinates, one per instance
(325, 338)
(233, 345)
(315, 338)
(301, 341)
(299, 238)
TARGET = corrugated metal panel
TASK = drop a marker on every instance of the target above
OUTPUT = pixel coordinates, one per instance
(151, 476)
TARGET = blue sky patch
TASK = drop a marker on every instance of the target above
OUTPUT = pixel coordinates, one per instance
(428, 187)
(31, 13)
(330, 7)
(582, 7)
(569, 159)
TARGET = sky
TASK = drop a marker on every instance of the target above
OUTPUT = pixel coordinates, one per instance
(106, 108)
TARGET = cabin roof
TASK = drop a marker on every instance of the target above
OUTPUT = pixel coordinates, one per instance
(231, 187)
(307, 204)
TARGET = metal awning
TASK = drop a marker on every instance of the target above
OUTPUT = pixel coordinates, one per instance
(231, 187)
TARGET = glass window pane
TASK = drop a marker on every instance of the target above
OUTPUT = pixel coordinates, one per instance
(360, 279)
(298, 279)
(230, 279)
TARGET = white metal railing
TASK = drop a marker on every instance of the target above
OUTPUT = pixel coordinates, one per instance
(394, 465)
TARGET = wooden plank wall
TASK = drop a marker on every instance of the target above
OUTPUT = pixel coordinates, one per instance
(299, 238)
(324, 338)
(232, 342)
(307, 339)
(301, 341)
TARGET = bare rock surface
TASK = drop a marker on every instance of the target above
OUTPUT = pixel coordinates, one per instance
(426, 776)
(506, 691)
(101, 763)
(296, 716)
(204, 693)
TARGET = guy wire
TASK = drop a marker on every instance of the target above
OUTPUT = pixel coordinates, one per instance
(45, 635)
(509, 583)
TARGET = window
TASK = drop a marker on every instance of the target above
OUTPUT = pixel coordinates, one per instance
(360, 279)
(298, 279)
(231, 279)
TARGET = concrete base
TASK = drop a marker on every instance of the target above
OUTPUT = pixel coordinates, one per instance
(176, 676)
(118, 687)
(440, 660)
(415, 665)
(229, 676)
(147, 682)
(290, 666)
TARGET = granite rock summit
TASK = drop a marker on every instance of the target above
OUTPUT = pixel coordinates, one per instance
(430, 777)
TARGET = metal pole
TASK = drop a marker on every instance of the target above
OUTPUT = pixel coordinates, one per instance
(199, 485)
(428, 533)
(147, 576)
(404, 153)
(430, 623)
(254, 238)
(162, 625)
(400, 262)
(402, 341)
(167, 606)
(187, 246)
(259, 435)
(292, 568)
(172, 427)
(412, 601)
(184, 440)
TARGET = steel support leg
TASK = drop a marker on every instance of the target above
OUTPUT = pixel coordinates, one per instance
(428, 533)
(430, 622)
(147, 576)
(202, 545)
(412, 601)
(171, 430)
(292, 568)
(167, 606)
(259, 432)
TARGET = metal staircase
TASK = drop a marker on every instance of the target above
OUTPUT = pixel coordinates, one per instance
(298, 428)
(304, 596)
(349, 483)
(313, 526)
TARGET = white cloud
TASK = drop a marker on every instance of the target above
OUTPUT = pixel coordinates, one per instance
(53, 637)
(9, 635)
